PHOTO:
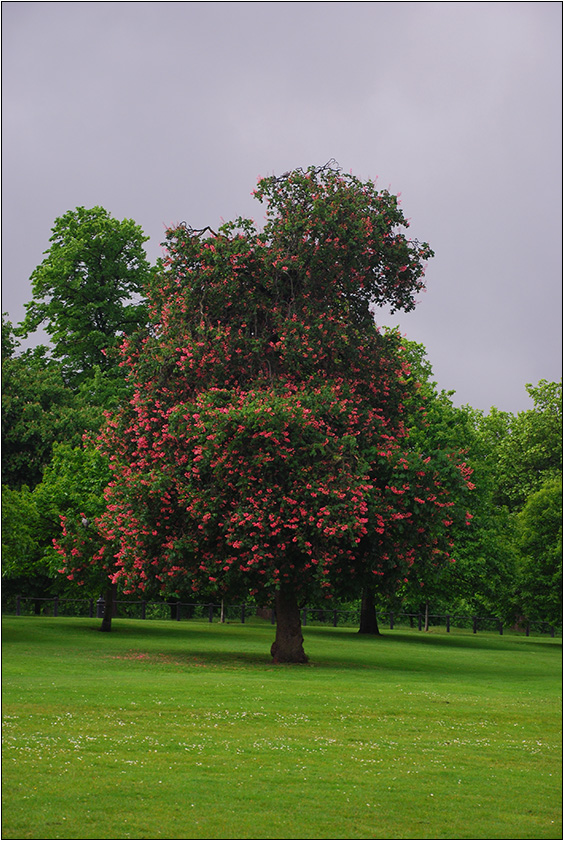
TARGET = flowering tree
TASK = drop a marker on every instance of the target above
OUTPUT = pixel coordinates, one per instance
(267, 415)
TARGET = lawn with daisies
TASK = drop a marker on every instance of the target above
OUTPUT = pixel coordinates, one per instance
(189, 730)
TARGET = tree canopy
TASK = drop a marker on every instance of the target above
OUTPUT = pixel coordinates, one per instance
(265, 445)
(539, 574)
(87, 291)
(529, 447)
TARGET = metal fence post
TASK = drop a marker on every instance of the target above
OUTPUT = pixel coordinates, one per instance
(391, 621)
(419, 621)
(334, 618)
(211, 612)
(500, 628)
(242, 614)
(448, 623)
(18, 606)
(475, 625)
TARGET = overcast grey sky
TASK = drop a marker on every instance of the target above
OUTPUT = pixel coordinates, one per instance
(164, 112)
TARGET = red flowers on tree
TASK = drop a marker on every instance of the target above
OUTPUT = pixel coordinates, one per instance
(264, 448)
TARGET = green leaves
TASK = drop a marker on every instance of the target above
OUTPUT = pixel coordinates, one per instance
(527, 448)
(539, 579)
(38, 408)
(87, 289)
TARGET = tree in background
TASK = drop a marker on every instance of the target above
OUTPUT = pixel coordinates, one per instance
(539, 572)
(72, 489)
(523, 457)
(22, 563)
(527, 447)
(38, 409)
(42, 417)
(429, 524)
(268, 412)
(87, 291)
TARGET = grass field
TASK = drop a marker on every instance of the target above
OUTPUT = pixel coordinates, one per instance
(188, 731)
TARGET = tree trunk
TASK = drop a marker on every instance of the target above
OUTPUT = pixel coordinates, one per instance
(111, 591)
(288, 645)
(368, 620)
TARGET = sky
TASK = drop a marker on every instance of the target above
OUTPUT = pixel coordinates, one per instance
(169, 112)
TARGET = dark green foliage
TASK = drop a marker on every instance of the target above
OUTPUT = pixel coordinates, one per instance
(72, 488)
(539, 579)
(87, 289)
(528, 447)
(38, 409)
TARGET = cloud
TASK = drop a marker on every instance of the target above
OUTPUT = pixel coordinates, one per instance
(165, 112)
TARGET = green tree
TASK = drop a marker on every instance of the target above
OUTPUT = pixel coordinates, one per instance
(514, 456)
(483, 577)
(539, 580)
(38, 409)
(9, 341)
(444, 433)
(42, 418)
(71, 490)
(528, 451)
(20, 542)
(88, 290)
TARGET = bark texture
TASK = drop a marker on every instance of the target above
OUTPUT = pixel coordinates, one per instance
(368, 620)
(288, 646)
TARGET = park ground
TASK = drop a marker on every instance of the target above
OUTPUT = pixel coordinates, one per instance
(189, 730)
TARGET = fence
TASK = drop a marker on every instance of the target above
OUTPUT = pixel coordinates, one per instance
(181, 611)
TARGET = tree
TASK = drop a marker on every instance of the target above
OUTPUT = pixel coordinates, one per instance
(432, 488)
(38, 408)
(539, 581)
(44, 420)
(72, 490)
(87, 289)
(267, 418)
(9, 341)
(21, 561)
(528, 450)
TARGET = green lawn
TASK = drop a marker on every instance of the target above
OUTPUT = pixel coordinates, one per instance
(187, 730)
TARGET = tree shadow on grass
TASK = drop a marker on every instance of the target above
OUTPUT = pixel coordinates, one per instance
(237, 647)
(484, 640)
(197, 645)
(201, 655)
(201, 646)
